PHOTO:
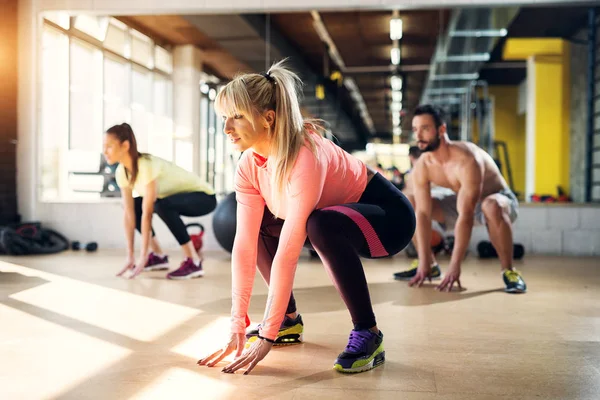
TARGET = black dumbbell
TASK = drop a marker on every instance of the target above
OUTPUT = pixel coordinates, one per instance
(89, 247)
(487, 250)
(518, 251)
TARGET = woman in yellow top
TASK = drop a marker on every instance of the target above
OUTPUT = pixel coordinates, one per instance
(160, 187)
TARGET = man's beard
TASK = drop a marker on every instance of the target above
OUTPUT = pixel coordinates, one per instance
(432, 146)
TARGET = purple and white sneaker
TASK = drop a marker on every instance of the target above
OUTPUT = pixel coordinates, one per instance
(187, 270)
(157, 263)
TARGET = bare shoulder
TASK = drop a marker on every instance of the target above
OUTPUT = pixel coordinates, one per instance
(424, 160)
(420, 171)
(467, 153)
(470, 161)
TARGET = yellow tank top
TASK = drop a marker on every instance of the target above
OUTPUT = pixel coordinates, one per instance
(170, 178)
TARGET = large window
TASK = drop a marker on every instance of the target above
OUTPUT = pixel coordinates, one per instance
(55, 115)
(117, 105)
(85, 97)
(97, 72)
(217, 156)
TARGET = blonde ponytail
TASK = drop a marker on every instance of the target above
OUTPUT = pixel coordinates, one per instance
(279, 90)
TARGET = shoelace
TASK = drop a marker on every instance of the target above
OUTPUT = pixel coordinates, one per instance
(187, 266)
(512, 276)
(357, 341)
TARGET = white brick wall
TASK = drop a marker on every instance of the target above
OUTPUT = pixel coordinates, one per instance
(581, 243)
(553, 229)
(546, 242)
(557, 229)
(590, 218)
(524, 237)
(532, 218)
(563, 218)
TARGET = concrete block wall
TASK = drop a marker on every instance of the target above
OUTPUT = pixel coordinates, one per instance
(572, 229)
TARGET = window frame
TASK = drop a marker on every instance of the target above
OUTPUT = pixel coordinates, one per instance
(70, 194)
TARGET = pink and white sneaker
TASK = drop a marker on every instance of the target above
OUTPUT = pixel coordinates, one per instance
(157, 263)
(187, 270)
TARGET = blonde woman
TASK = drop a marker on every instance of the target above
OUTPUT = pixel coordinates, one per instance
(292, 185)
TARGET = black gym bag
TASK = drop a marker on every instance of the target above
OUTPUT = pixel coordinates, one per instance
(30, 238)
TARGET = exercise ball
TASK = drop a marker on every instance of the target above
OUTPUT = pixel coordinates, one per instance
(436, 239)
(224, 221)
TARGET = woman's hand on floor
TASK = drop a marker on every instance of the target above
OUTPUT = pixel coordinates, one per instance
(236, 342)
(252, 356)
(139, 268)
(129, 264)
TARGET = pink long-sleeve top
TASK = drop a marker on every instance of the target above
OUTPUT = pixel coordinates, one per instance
(332, 177)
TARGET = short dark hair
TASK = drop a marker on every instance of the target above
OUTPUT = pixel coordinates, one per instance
(414, 151)
(436, 113)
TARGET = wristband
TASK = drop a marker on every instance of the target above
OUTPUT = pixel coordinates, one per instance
(264, 338)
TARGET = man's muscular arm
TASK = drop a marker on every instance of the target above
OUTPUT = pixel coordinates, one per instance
(470, 178)
(421, 187)
(422, 190)
(471, 183)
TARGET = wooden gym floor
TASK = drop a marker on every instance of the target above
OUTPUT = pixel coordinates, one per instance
(69, 329)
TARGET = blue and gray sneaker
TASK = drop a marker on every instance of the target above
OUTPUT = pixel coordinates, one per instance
(514, 282)
(407, 275)
(363, 352)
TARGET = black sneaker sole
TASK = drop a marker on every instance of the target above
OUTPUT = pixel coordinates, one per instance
(294, 338)
(378, 360)
(408, 278)
(287, 340)
(515, 290)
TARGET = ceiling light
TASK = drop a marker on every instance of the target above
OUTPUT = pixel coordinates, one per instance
(456, 77)
(480, 33)
(447, 91)
(466, 57)
(396, 82)
(395, 29)
(396, 107)
(396, 96)
(395, 55)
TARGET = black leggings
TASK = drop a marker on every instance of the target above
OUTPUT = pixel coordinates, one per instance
(381, 224)
(171, 208)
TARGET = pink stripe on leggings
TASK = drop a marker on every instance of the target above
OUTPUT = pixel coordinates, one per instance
(375, 246)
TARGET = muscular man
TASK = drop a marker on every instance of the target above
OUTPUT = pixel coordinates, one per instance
(479, 195)
(413, 155)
